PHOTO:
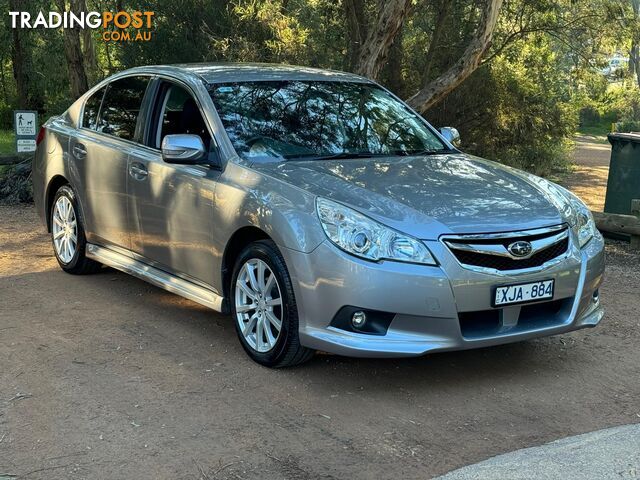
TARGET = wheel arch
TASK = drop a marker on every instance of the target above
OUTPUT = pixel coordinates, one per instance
(53, 186)
(237, 242)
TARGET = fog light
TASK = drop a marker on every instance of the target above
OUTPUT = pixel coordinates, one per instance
(596, 296)
(358, 319)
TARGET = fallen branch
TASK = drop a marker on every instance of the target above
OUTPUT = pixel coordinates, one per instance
(20, 396)
(203, 475)
(225, 467)
(46, 469)
(14, 159)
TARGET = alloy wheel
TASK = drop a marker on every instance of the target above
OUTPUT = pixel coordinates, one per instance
(65, 229)
(258, 303)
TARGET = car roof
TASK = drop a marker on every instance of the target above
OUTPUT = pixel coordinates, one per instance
(212, 73)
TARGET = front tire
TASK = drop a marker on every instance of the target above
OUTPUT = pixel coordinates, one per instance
(67, 234)
(264, 307)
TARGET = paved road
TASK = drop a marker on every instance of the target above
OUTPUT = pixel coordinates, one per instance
(105, 376)
(613, 453)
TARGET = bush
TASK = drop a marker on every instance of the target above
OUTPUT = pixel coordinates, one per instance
(589, 115)
(15, 184)
(627, 126)
(629, 105)
(6, 116)
(520, 117)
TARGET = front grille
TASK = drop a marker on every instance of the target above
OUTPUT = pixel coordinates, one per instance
(506, 263)
(491, 251)
(487, 323)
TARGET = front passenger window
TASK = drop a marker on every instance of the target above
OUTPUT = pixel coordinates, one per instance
(181, 114)
(121, 106)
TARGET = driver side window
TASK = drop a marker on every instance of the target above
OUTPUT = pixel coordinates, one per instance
(180, 114)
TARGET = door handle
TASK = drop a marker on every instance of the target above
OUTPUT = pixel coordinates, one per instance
(138, 171)
(79, 151)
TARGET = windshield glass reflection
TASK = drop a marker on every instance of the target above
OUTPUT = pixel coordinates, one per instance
(315, 120)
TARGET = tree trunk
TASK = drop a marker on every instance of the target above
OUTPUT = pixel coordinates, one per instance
(373, 53)
(394, 66)
(634, 60)
(356, 30)
(438, 30)
(440, 87)
(73, 53)
(88, 48)
(19, 61)
(4, 81)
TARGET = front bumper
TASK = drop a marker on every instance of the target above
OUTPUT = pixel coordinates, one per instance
(434, 307)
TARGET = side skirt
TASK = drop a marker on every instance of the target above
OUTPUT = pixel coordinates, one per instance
(157, 277)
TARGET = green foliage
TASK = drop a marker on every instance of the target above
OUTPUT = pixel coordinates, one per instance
(629, 111)
(617, 103)
(515, 110)
(6, 116)
(541, 76)
(7, 142)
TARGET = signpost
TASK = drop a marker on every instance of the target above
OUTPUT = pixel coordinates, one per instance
(26, 128)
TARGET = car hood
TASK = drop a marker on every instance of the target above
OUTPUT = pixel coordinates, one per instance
(431, 195)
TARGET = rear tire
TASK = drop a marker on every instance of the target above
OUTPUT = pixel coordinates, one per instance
(264, 307)
(67, 234)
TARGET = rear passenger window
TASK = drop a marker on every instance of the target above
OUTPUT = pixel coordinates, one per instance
(121, 107)
(91, 109)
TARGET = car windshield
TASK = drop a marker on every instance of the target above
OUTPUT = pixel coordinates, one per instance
(314, 120)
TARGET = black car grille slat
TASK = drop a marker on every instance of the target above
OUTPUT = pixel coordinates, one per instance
(486, 323)
(502, 263)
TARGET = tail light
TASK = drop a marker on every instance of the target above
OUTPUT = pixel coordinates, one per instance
(40, 136)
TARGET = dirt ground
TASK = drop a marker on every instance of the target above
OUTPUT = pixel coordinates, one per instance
(588, 179)
(105, 376)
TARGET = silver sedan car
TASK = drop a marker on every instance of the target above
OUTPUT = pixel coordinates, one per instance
(317, 209)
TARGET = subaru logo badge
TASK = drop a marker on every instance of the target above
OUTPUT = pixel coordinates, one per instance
(520, 249)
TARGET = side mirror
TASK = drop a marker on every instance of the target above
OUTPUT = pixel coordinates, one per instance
(451, 135)
(183, 149)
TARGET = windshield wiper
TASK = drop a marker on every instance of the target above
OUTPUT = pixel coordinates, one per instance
(333, 156)
(423, 152)
(348, 155)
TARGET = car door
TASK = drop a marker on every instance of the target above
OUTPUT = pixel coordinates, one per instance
(171, 206)
(100, 152)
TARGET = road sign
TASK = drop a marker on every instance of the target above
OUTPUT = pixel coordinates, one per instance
(25, 145)
(26, 128)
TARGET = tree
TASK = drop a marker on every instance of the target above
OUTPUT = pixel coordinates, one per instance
(434, 43)
(634, 51)
(470, 60)
(88, 47)
(356, 30)
(20, 60)
(514, 72)
(373, 52)
(73, 52)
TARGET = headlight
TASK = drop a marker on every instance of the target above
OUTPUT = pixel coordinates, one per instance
(582, 223)
(362, 236)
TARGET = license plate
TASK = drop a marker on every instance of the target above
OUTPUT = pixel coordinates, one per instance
(524, 292)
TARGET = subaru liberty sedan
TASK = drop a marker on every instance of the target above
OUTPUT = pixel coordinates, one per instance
(317, 209)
